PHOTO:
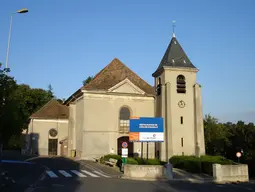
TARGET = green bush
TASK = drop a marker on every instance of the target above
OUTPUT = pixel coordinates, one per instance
(131, 161)
(149, 161)
(113, 156)
(194, 164)
(153, 162)
(140, 161)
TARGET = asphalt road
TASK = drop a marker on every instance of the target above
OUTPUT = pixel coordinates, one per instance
(65, 175)
(20, 175)
(115, 185)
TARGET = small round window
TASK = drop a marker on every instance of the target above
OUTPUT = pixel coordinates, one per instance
(53, 132)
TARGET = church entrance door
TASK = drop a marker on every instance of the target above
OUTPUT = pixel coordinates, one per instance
(53, 147)
(130, 145)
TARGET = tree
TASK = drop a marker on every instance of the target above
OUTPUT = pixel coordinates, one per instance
(50, 91)
(17, 103)
(30, 100)
(216, 136)
(86, 81)
(8, 106)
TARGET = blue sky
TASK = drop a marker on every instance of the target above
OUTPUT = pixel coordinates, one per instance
(63, 42)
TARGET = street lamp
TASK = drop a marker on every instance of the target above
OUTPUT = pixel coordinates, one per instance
(21, 11)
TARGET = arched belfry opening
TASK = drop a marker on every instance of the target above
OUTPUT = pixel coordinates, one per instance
(181, 84)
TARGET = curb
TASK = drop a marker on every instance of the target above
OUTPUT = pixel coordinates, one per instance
(191, 180)
(143, 179)
(168, 180)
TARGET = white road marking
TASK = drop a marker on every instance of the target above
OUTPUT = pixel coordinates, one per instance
(89, 173)
(51, 174)
(99, 173)
(64, 173)
(78, 173)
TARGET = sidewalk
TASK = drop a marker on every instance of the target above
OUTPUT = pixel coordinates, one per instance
(181, 175)
(113, 172)
(178, 174)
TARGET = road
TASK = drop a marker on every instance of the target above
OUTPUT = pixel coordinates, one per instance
(65, 175)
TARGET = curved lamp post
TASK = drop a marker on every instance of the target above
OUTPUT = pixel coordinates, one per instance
(21, 11)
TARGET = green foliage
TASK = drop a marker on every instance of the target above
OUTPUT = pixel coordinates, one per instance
(196, 165)
(113, 156)
(17, 103)
(216, 136)
(50, 91)
(228, 138)
(86, 81)
(131, 161)
(149, 161)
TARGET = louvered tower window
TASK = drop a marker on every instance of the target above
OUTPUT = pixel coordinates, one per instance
(158, 88)
(181, 84)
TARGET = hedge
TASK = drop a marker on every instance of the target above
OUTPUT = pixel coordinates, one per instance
(191, 164)
(195, 164)
(133, 161)
(149, 161)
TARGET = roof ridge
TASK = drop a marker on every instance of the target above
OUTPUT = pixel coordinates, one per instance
(114, 73)
(97, 75)
(41, 107)
(135, 74)
(51, 103)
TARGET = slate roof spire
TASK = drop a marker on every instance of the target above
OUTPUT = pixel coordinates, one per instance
(174, 57)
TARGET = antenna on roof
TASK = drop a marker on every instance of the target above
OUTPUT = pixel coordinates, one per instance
(174, 27)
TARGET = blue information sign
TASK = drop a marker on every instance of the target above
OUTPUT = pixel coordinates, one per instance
(146, 129)
(147, 124)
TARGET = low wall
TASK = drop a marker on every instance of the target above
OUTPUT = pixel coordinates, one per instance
(144, 172)
(230, 173)
(148, 172)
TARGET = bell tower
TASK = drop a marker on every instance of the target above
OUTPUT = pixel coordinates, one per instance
(179, 102)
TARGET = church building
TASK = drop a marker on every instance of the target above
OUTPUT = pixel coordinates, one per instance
(94, 121)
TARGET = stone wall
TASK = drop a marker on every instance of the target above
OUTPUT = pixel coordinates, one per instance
(230, 173)
(144, 172)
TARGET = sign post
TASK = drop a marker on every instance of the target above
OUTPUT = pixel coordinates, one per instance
(238, 155)
(124, 154)
(146, 129)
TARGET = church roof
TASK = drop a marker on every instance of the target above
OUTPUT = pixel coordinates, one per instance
(174, 57)
(52, 110)
(114, 73)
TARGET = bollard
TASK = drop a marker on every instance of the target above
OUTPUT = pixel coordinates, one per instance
(169, 171)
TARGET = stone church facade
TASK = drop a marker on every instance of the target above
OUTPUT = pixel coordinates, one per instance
(94, 121)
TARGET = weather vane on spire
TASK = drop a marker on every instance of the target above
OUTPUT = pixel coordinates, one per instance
(174, 27)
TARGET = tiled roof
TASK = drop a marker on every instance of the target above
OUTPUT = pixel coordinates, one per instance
(52, 110)
(114, 73)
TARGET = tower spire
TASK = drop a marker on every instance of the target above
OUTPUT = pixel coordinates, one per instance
(173, 28)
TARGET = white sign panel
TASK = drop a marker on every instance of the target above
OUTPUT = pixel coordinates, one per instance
(151, 137)
(124, 152)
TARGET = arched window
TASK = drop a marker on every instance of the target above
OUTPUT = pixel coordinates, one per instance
(124, 120)
(181, 84)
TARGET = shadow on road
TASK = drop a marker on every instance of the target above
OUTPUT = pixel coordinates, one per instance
(44, 174)
(61, 173)
(206, 186)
